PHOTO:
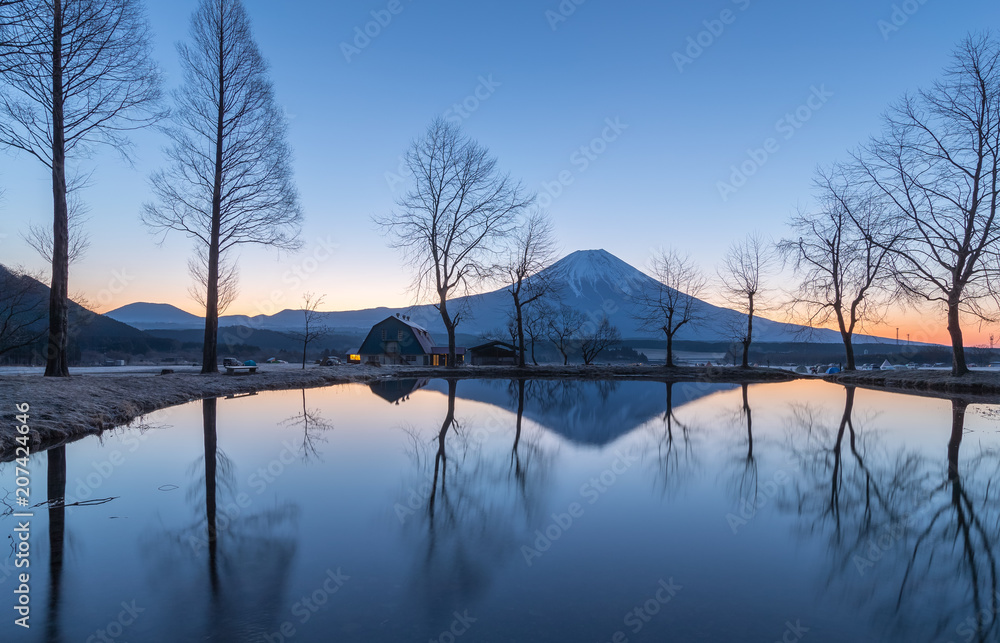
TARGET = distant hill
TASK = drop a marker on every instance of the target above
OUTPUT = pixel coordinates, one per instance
(145, 315)
(88, 331)
(592, 281)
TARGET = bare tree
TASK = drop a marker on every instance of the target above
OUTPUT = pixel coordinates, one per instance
(536, 316)
(938, 164)
(604, 335)
(450, 222)
(80, 74)
(229, 182)
(313, 328)
(743, 268)
(672, 303)
(564, 328)
(842, 257)
(22, 309)
(532, 249)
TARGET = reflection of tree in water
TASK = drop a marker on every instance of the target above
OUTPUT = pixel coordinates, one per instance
(483, 498)
(673, 448)
(912, 538)
(228, 569)
(56, 492)
(313, 425)
(745, 470)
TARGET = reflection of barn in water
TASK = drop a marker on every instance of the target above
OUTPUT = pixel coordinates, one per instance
(396, 391)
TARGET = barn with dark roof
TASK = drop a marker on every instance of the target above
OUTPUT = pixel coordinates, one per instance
(397, 340)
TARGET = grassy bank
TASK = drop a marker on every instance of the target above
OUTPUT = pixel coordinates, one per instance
(63, 410)
(979, 385)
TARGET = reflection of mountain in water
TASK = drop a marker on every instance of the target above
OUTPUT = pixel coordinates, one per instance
(595, 413)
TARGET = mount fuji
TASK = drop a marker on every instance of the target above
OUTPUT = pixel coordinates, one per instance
(595, 282)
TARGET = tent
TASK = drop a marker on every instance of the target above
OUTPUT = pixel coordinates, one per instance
(886, 366)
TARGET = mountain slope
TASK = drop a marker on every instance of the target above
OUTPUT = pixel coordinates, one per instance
(145, 315)
(595, 282)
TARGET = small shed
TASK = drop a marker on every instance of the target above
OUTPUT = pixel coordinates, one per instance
(493, 354)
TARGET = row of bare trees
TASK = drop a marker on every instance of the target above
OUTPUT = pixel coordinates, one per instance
(913, 215)
(79, 75)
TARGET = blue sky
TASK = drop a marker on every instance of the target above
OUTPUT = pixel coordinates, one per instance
(548, 83)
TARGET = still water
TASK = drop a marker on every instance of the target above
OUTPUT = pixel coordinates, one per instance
(523, 511)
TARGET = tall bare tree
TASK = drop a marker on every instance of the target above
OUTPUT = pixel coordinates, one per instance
(532, 249)
(842, 258)
(451, 221)
(672, 303)
(79, 75)
(229, 182)
(604, 335)
(938, 164)
(313, 327)
(741, 275)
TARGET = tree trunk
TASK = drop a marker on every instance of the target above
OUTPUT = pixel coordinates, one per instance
(305, 347)
(520, 333)
(749, 416)
(670, 350)
(957, 431)
(533, 359)
(849, 350)
(57, 355)
(209, 409)
(749, 337)
(210, 352)
(450, 326)
(958, 365)
(56, 493)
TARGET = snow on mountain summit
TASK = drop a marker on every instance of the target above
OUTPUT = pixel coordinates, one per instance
(588, 268)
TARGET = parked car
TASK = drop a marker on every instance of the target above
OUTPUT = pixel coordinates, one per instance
(331, 361)
(231, 361)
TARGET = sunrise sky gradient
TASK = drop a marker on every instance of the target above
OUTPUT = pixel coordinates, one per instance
(627, 128)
